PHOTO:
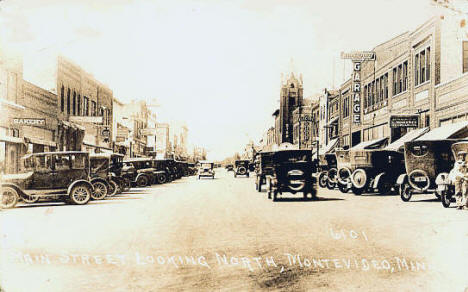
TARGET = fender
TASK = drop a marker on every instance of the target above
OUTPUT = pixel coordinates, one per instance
(142, 174)
(402, 179)
(16, 187)
(80, 181)
(101, 180)
(377, 180)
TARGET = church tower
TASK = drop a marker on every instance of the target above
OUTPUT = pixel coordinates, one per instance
(291, 98)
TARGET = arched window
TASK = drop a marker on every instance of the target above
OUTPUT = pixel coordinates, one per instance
(62, 100)
(68, 101)
(292, 85)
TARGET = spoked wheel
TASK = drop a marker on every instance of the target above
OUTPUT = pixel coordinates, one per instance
(323, 179)
(330, 184)
(99, 190)
(343, 187)
(9, 197)
(80, 195)
(30, 199)
(360, 181)
(385, 186)
(142, 181)
(113, 189)
(406, 192)
(162, 178)
(446, 199)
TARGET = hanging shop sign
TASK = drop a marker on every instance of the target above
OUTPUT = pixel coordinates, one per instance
(29, 122)
(148, 132)
(404, 121)
(359, 55)
(356, 92)
(86, 119)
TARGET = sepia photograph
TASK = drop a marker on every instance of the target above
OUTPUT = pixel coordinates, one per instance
(236, 145)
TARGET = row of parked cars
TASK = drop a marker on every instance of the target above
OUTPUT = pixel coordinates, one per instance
(417, 163)
(77, 177)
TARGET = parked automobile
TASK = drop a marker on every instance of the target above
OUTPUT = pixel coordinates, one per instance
(446, 187)
(327, 165)
(343, 170)
(358, 157)
(377, 170)
(192, 168)
(144, 171)
(206, 169)
(293, 173)
(264, 168)
(241, 168)
(105, 169)
(49, 174)
(427, 157)
(229, 167)
(165, 170)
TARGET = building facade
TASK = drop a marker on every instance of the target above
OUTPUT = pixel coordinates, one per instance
(291, 97)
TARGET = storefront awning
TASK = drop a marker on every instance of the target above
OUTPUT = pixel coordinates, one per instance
(73, 125)
(332, 121)
(410, 136)
(372, 144)
(40, 141)
(451, 131)
(329, 147)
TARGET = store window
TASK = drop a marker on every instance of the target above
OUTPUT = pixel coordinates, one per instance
(68, 101)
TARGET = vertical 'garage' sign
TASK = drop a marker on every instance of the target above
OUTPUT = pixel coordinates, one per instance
(357, 92)
(357, 58)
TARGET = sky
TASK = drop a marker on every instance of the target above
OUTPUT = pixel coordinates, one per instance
(214, 65)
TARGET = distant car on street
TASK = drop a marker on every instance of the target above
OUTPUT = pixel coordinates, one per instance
(229, 167)
(241, 168)
(206, 169)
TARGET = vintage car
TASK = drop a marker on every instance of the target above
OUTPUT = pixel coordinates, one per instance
(206, 169)
(229, 167)
(343, 170)
(427, 157)
(241, 168)
(48, 175)
(356, 158)
(144, 171)
(327, 165)
(445, 184)
(192, 168)
(264, 168)
(377, 170)
(106, 169)
(164, 171)
(293, 172)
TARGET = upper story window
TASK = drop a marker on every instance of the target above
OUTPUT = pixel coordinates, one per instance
(346, 107)
(400, 78)
(93, 108)
(422, 66)
(85, 106)
(62, 99)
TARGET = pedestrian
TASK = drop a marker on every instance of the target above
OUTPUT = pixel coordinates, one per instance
(459, 177)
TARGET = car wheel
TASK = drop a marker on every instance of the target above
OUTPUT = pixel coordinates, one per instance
(343, 188)
(9, 197)
(384, 186)
(162, 178)
(446, 199)
(323, 179)
(248, 175)
(142, 181)
(31, 199)
(113, 188)
(330, 185)
(80, 194)
(100, 190)
(405, 192)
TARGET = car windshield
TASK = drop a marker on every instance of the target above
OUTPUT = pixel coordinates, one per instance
(206, 165)
(99, 164)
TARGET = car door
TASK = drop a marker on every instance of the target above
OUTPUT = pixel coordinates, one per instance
(43, 172)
